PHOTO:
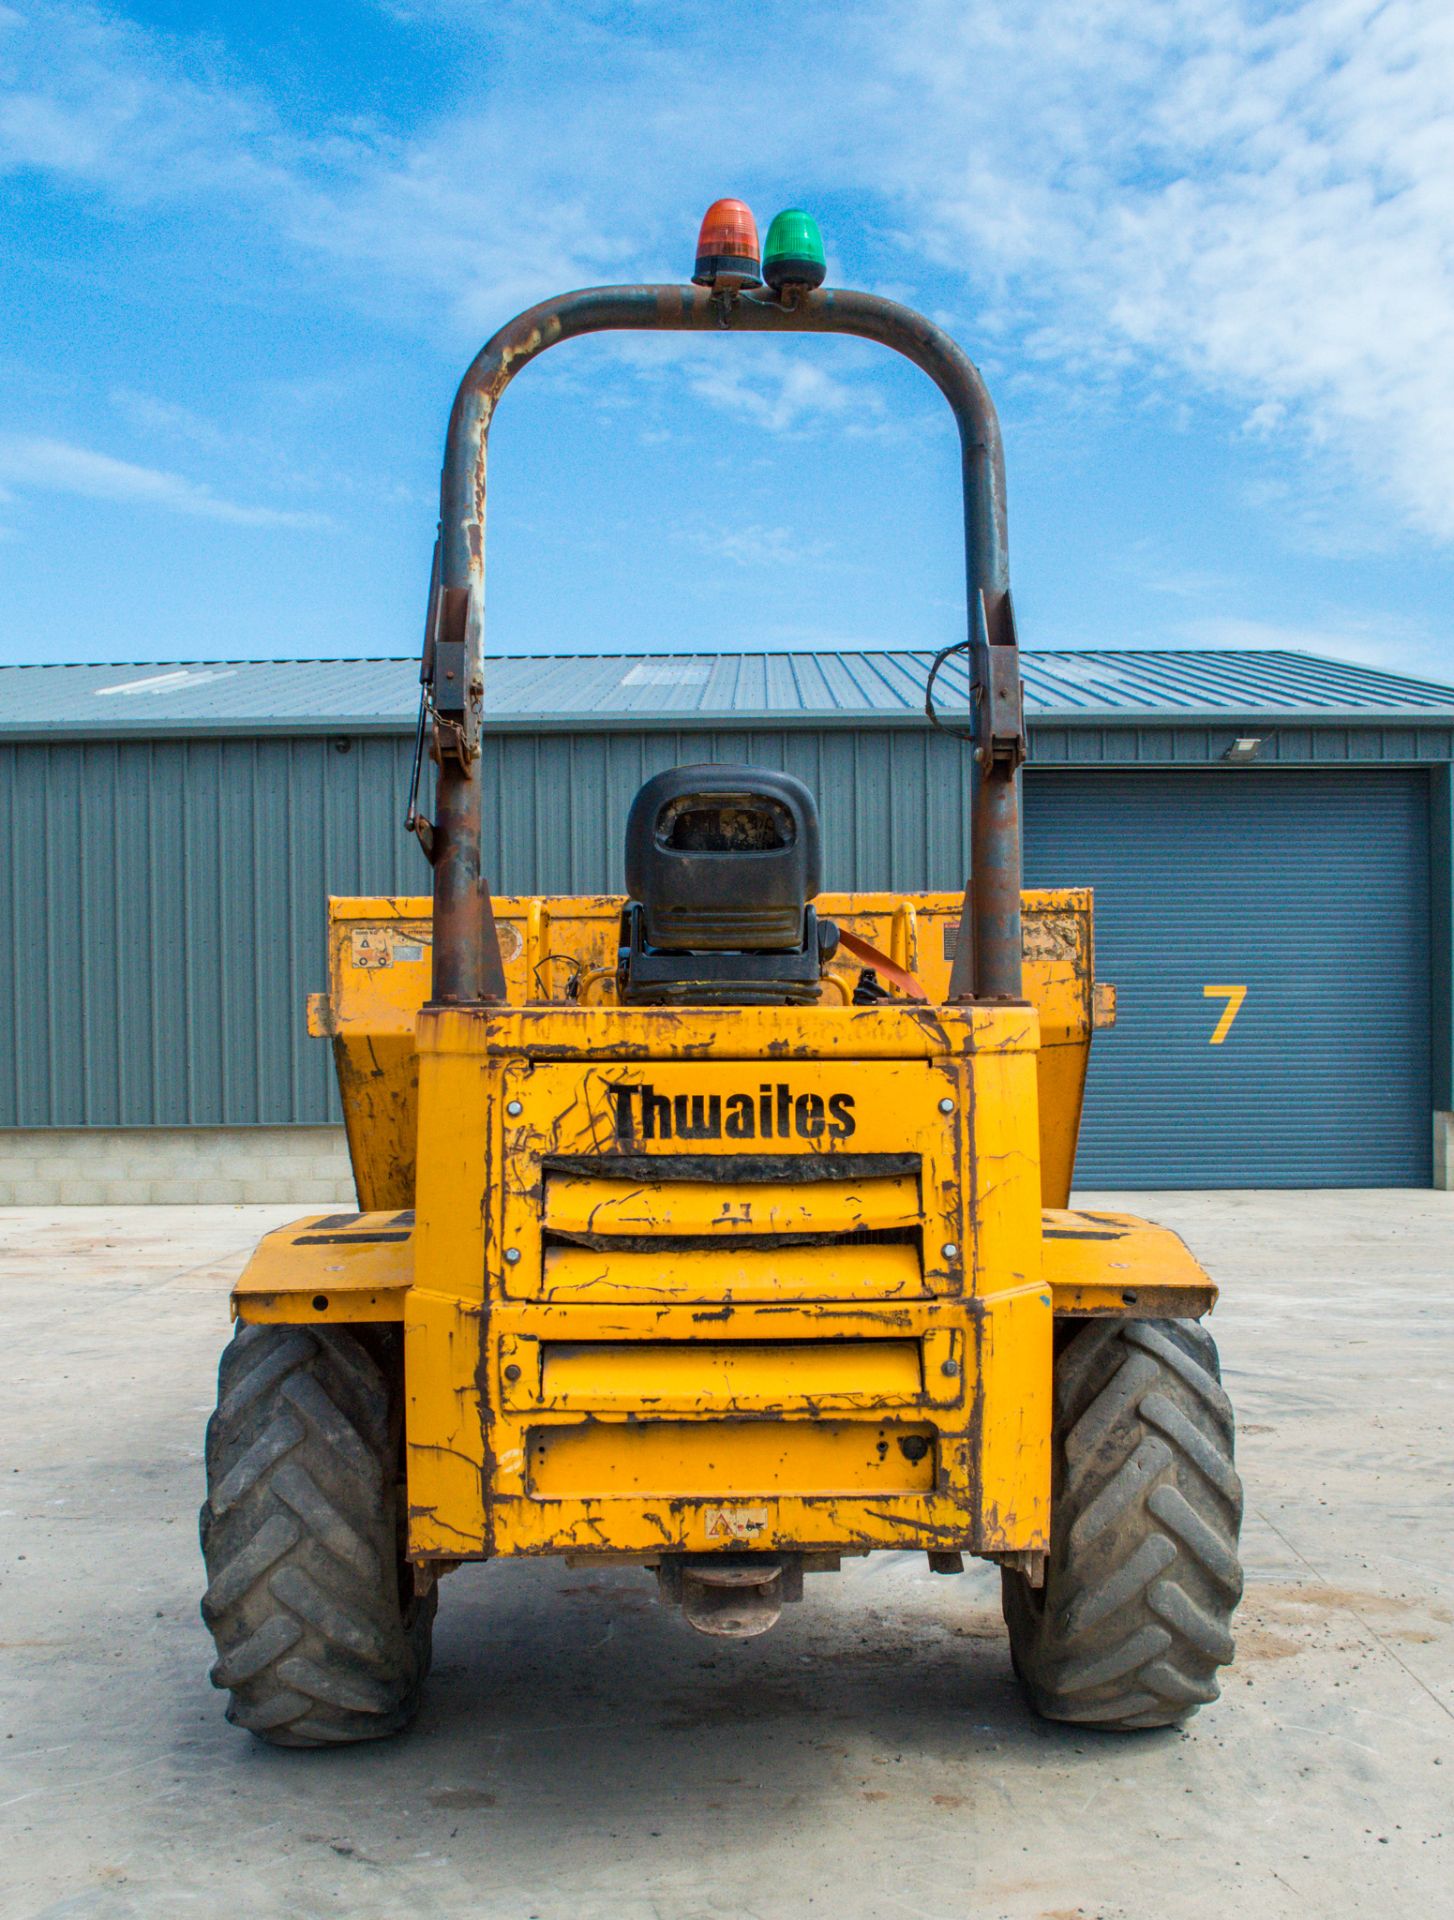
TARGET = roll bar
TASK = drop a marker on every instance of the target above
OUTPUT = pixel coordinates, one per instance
(467, 965)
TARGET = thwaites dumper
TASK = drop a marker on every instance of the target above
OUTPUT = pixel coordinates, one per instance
(721, 1229)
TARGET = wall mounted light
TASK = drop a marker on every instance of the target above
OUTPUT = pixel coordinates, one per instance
(1245, 747)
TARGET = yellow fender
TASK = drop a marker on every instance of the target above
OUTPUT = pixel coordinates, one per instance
(1115, 1263)
(359, 1267)
(329, 1267)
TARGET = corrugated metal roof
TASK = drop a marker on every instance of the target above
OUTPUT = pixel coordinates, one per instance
(645, 690)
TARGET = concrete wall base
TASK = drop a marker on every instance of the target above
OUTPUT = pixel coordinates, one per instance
(158, 1166)
(1444, 1152)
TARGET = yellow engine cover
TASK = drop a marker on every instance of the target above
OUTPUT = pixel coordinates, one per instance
(698, 1278)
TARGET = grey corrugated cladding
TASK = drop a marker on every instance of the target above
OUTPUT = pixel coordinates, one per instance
(593, 691)
(164, 900)
(171, 833)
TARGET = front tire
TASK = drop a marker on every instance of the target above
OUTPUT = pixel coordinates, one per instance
(320, 1638)
(1143, 1577)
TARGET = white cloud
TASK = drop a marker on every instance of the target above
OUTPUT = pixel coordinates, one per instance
(756, 546)
(1252, 201)
(775, 387)
(168, 419)
(590, 166)
(1258, 199)
(33, 463)
(96, 101)
(781, 392)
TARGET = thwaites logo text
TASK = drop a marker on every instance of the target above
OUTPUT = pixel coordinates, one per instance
(771, 1112)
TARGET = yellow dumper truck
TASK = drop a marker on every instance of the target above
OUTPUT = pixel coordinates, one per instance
(722, 1228)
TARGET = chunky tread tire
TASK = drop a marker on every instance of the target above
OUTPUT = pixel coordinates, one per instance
(1143, 1577)
(320, 1639)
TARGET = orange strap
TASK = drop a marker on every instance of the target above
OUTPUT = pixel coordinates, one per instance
(881, 964)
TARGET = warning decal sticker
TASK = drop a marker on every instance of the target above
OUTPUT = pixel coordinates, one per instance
(376, 947)
(735, 1523)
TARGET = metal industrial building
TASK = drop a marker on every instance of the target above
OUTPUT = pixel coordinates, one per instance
(1265, 821)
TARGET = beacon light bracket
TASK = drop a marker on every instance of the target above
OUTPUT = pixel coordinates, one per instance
(998, 692)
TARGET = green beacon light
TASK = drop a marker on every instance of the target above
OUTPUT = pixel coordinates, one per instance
(793, 256)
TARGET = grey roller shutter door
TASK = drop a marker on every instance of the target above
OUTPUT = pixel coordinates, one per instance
(1309, 890)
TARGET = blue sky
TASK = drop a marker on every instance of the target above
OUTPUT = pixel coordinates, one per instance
(1204, 252)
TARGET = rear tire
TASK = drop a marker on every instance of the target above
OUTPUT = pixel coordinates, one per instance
(320, 1638)
(1143, 1578)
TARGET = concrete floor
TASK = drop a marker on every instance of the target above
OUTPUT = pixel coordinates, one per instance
(582, 1754)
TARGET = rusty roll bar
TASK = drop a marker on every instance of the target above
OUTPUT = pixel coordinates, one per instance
(467, 965)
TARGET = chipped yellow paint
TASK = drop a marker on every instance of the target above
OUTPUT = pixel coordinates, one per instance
(729, 1376)
(1000, 1175)
(575, 1204)
(672, 1460)
(546, 943)
(1094, 1263)
(354, 1267)
(614, 1421)
(787, 1258)
(837, 1270)
(1113, 1263)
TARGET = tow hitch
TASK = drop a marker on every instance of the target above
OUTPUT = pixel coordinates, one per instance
(732, 1596)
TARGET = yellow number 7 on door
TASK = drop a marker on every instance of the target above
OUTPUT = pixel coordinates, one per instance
(1234, 996)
